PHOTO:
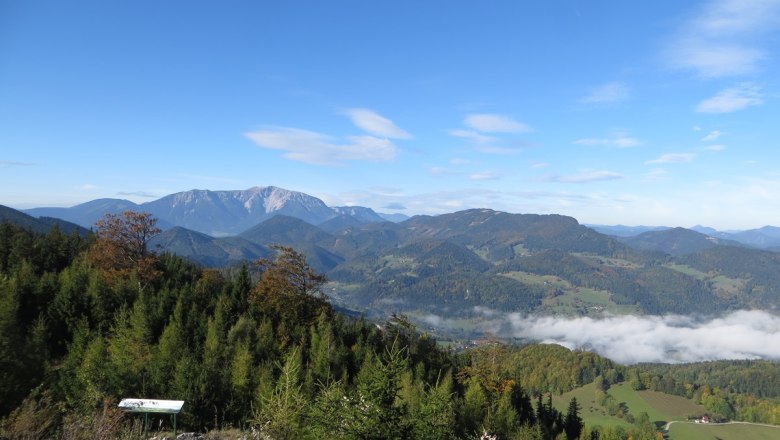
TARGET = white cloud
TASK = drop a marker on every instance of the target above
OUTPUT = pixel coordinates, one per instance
(587, 176)
(716, 147)
(673, 338)
(320, 149)
(696, 128)
(732, 99)
(473, 136)
(376, 124)
(495, 149)
(537, 165)
(441, 171)
(607, 94)
(713, 135)
(672, 158)
(616, 139)
(11, 164)
(484, 176)
(656, 175)
(143, 194)
(722, 39)
(492, 123)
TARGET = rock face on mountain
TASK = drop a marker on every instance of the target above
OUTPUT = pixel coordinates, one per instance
(221, 213)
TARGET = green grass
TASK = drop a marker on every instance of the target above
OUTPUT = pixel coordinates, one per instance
(591, 412)
(574, 300)
(688, 270)
(731, 431)
(660, 407)
(539, 280)
(607, 261)
(724, 285)
(673, 407)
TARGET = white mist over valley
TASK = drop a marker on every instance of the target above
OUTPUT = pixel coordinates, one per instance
(634, 339)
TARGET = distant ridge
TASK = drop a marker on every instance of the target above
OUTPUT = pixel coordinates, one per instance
(40, 225)
(676, 241)
(219, 213)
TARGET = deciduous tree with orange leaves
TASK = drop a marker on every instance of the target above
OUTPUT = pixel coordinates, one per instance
(122, 245)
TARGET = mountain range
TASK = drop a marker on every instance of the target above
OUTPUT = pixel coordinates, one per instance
(467, 262)
(218, 213)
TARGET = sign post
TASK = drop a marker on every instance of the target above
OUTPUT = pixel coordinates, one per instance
(147, 406)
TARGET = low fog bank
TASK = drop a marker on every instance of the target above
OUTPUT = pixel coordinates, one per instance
(634, 339)
(673, 338)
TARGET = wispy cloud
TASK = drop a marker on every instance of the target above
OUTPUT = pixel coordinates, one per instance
(395, 206)
(656, 175)
(732, 99)
(497, 149)
(586, 176)
(672, 158)
(617, 139)
(320, 149)
(376, 124)
(13, 164)
(489, 175)
(711, 136)
(538, 165)
(716, 147)
(142, 194)
(493, 123)
(473, 136)
(721, 40)
(441, 171)
(609, 93)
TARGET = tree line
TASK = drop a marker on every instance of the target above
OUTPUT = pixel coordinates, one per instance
(86, 321)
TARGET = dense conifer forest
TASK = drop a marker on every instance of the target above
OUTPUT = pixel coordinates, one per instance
(86, 320)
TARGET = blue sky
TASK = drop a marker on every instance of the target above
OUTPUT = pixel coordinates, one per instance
(613, 112)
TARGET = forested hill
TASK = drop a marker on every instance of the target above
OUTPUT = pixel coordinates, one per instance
(85, 322)
(449, 264)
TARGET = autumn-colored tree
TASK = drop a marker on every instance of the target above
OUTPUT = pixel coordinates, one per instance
(289, 288)
(122, 245)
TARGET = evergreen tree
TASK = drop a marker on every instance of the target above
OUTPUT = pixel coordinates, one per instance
(573, 422)
(280, 414)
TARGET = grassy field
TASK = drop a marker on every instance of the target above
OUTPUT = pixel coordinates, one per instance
(607, 261)
(660, 407)
(572, 300)
(724, 285)
(591, 412)
(730, 431)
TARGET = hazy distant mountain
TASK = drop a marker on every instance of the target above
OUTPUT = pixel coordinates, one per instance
(40, 225)
(359, 213)
(625, 231)
(350, 216)
(765, 237)
(222, 213)
(395, 218)
(219, 213)
(676, 241)
(86, 214)
(206, 250)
